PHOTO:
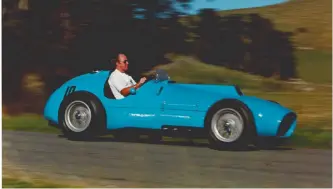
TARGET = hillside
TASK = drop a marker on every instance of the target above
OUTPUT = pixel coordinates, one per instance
(310, 21)
(312, 17)
(186, 69)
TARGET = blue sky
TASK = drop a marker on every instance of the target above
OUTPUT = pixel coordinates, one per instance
(229, 4)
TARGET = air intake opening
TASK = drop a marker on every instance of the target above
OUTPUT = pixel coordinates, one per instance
(286, 123)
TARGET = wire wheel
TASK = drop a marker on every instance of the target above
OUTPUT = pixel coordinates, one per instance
(227, 125)
(77, 116)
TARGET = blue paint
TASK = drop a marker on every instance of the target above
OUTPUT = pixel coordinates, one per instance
(159, 103)
(267, 115)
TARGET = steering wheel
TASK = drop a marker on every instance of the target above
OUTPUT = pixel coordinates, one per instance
(158, 74)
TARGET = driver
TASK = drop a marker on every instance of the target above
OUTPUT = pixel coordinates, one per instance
(121, 83)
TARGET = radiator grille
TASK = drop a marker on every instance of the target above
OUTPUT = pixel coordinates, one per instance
(286, 123)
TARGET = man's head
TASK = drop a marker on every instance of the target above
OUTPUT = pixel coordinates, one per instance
(122, 63)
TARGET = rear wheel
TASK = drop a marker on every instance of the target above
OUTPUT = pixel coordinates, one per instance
(229, 125)
(81, 116)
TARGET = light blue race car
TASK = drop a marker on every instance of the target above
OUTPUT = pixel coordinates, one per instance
(85, 107)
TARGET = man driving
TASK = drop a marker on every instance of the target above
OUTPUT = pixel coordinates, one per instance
(120, 82)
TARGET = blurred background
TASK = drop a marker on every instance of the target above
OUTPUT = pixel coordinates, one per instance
(278, 50)
(282, 46)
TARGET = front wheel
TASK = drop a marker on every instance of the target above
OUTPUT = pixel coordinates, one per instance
(229, 125)
(81, 117)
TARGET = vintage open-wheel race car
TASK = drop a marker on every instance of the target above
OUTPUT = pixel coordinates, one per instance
(84, 107)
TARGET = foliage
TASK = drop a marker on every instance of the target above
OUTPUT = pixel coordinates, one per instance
(247, 42)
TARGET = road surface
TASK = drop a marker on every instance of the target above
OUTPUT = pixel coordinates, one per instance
(122, 164)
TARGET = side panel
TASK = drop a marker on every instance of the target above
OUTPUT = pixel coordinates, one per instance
(195, 97)
(155, 105)
(179, 98)
(140, 110)
(131, 117)
(182, 118)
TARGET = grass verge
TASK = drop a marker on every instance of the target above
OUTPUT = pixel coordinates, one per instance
(18, 183)
(27, 122)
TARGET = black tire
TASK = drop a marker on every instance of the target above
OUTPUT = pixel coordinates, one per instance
(97, 125)
(237, 108)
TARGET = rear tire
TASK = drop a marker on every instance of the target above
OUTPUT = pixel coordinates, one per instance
(229, 125)
(81, 116)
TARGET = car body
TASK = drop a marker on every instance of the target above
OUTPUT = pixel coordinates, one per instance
(169, 107)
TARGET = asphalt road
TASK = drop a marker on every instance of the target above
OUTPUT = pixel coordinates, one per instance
(156, 165)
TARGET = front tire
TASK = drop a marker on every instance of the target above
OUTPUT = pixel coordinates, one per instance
(81, 116)
(229, 125)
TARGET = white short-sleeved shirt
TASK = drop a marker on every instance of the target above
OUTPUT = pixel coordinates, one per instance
(118, 81)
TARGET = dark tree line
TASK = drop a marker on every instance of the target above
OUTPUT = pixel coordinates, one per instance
(244, 42)
(58, 38)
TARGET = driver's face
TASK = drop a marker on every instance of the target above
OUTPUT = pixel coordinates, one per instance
(122, 63)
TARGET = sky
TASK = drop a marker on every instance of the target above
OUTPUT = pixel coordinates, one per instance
(229, 4)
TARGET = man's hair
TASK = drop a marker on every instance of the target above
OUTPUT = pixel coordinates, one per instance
(116, 59)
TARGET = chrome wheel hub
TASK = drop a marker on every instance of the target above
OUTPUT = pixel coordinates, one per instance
(227, 125)
(77, 116)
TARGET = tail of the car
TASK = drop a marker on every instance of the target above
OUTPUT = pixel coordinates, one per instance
(91, 82)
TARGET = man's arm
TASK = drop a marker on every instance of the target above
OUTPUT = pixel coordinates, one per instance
(126, 91)
(120, 84)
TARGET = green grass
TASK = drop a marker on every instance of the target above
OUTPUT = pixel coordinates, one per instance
(27, 122)
(312, 137)
(313, 15)
(314, 66)
(189, 70)
(17, 183)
